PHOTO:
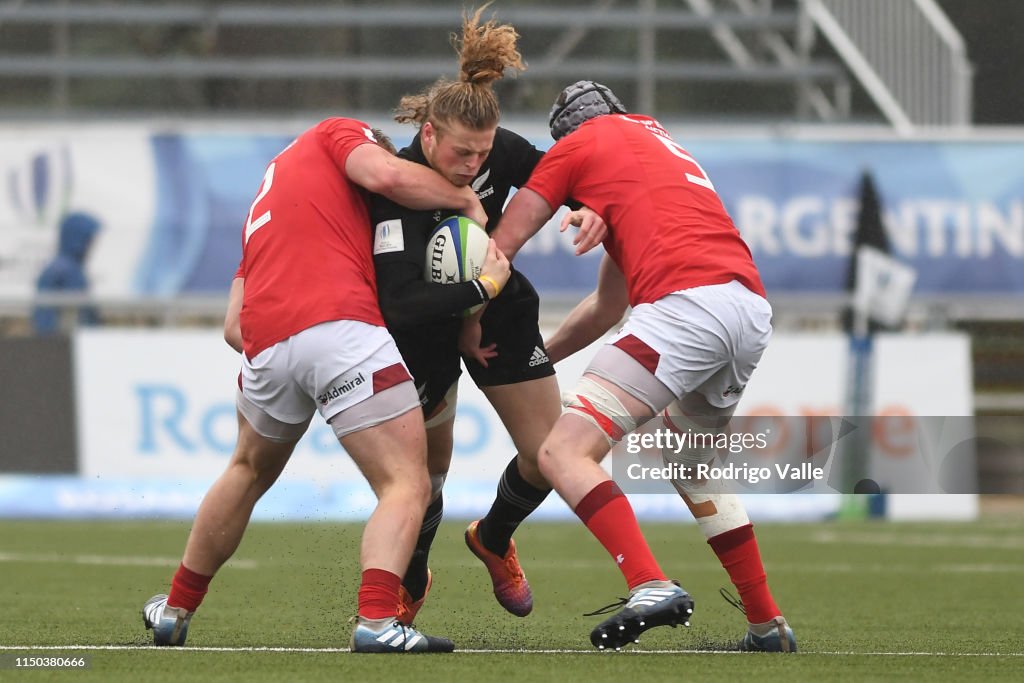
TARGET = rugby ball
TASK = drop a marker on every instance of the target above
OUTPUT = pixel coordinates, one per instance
(456, 251)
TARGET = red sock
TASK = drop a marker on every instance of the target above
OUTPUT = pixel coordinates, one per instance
(609, 516)
(738, 553)
(188, 588)
(378, 594)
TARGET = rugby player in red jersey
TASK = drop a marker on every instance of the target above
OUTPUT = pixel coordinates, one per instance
(313, 339)
(698, 326)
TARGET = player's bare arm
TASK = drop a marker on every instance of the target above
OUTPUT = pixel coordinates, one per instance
(232, 323)
(601, 310)
(526, 213)
(409, 184)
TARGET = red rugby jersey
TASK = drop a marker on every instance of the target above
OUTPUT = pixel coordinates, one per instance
(306, 244)
(667, 228)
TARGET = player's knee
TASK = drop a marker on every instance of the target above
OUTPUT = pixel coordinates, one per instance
(529, 467)
(436, 485)
(688, 456)
(548, 458)
(418, 488)
(410, 486)
(696, 445)
(711, 502)
(688, 461)
(256, 468)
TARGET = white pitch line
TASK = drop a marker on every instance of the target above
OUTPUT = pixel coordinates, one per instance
(807, 567)
(495, 651)
(109, 560)
(921, 540)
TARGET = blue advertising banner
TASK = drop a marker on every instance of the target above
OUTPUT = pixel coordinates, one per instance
(69, 497)
(953, 210)
(205, 184)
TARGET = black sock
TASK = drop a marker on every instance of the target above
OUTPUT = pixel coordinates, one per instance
(516, 499)
(415, 580)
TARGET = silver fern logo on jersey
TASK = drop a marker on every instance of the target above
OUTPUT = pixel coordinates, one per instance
(478, 183)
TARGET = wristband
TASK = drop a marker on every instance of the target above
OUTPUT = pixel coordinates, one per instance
(497, 289)
(482, 291)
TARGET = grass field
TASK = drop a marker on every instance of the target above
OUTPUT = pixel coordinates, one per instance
(868, 601)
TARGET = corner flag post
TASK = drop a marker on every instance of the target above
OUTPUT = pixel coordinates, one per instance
(880, 287)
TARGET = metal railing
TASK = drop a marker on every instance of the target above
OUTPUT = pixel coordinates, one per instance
(906, 54)
(68, 57)
(84, 45)
(748, 51)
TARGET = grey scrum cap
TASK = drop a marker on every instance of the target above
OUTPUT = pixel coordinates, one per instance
(579, 102)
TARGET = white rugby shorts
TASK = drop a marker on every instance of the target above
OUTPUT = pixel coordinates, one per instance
(706, 339)
(328, 368)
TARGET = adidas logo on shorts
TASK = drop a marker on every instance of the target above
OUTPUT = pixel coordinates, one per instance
(538, 357)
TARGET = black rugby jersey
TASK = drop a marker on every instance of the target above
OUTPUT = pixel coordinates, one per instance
(406, 298)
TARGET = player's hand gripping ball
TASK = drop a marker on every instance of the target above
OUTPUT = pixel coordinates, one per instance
(456, 251)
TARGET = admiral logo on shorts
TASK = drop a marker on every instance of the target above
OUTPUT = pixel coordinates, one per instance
(733, 389)
(340, 390)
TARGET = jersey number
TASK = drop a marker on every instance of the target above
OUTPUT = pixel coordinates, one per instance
(675, 149)
(251, 225)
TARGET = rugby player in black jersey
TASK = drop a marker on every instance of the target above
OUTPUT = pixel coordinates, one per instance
(502, 346)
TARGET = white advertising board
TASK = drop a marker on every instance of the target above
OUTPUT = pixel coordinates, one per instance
(159, 405)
